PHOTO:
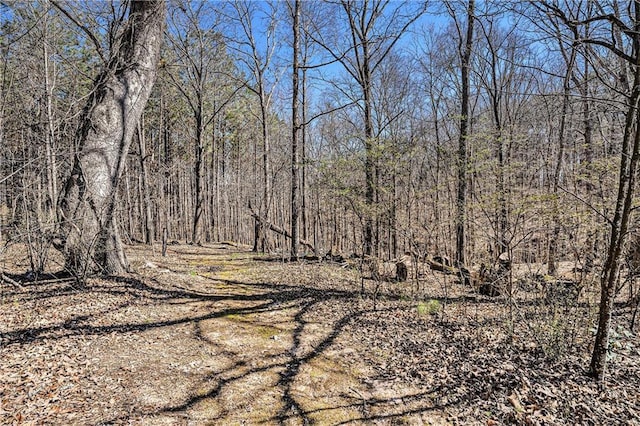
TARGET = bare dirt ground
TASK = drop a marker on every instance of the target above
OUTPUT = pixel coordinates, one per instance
(215, 335)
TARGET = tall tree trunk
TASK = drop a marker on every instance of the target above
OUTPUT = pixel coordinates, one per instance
(52, 171)
(496, 97)
(393, 218)
(369, 145)
(146, 185)
(303, 154)
(88, 233)
(295, 128)
(255, 195)
(198, 172)
(552, 263)
(166, 158)
(266, 170)
(461, 196)
(215, 175)
(620, 224)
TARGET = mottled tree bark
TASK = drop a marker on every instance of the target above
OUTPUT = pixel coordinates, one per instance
(88, 234)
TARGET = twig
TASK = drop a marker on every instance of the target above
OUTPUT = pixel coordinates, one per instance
(586, 203)
(84, 28)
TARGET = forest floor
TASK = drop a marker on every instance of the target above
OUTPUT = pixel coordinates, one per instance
(218, 335)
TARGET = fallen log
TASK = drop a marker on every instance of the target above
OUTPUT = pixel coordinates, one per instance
(440, 264)
(441, 267)
(278, 230)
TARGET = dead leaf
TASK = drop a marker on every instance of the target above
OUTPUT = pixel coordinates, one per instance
(515, 401)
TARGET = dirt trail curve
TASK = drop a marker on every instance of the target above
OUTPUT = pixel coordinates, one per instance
(196, 338)
(215, 335)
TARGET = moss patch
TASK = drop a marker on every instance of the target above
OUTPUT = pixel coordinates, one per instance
(261, 330)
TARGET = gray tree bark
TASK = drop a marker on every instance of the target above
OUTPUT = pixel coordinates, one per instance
(49, 137)
(88, 234)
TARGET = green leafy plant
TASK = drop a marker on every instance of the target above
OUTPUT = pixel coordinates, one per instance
(430, 307)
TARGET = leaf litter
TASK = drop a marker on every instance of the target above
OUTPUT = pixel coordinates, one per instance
(220, 336)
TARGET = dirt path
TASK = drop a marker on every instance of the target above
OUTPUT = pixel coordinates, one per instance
(194, 338)
(210, 335)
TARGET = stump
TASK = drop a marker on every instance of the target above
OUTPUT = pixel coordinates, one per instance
(402, 271)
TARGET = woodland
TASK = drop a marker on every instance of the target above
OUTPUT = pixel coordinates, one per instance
(319, 212)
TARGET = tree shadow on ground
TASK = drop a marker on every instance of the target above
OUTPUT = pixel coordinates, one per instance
(139, 290)
(259, 298)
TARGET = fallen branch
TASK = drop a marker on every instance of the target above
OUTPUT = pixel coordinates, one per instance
(3, 277)
(278, 230)
(441, 267)
(460, 271)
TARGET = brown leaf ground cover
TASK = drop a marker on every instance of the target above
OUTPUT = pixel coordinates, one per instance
(216, 335)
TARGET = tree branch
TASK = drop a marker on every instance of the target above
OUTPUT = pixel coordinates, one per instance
(83, 28)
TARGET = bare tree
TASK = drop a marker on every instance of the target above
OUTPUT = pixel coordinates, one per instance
(49, 86)
(256, 56)
(465, 48)
(146, 190)
(199, 75)
(608, 25)
(88, 233)
(373, 27)
(569, 57)
(295, 129)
